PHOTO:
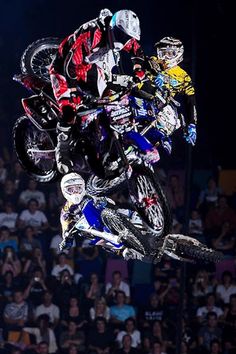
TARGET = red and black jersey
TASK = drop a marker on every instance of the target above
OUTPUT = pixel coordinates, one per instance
(73, 65)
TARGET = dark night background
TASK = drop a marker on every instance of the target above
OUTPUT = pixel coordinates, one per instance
(200, 25)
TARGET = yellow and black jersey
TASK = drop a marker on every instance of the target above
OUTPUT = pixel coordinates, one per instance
(174, 81)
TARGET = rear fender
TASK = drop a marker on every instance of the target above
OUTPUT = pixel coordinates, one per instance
(40, 112)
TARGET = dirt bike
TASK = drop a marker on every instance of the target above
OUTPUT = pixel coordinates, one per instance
(123, 228)
(126, 120)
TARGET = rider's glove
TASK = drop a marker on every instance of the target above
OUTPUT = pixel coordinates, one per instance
(191, 134)
(167, 144)
(159, 81)
(66, 244)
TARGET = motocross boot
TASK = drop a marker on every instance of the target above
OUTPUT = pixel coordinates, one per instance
(64, 141)
(129, 253)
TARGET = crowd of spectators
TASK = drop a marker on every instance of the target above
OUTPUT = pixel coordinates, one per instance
(52, 302)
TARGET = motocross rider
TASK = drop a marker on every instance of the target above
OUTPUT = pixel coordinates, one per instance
(81, 207)
(173, 81)
(84, 66)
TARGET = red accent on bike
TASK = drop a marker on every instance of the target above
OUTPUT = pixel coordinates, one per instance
(149, 201)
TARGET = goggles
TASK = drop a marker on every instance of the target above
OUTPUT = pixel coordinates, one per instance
(75, 189)
(166, 53)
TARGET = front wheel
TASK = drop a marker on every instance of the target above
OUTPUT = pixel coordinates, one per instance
(129, 235)
(35, 150)
(38, 57)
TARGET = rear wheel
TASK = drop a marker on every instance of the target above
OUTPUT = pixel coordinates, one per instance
(35, 150)
(189, 248)
(38, 57)
(149, 200)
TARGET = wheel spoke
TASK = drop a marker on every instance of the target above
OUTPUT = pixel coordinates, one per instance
(149, 203)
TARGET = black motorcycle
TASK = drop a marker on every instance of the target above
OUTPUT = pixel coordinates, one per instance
(106, 145)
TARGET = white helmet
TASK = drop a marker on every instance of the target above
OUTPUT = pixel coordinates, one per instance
(124, 25)
(170, 50)
(73, 187)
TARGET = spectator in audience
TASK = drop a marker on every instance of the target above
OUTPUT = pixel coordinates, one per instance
(43, 333)
(6, 240)
(116, 285)
(225, 240)
(152, 312)
(215, 347)
(18, 176)
(227, 288)
(48, 308)
(161, 287)
(130, 329)
(35, 261)
(157, 348)
(121, 311)
(42, 348)
(127, 346)
(146, 345)
(202, 285)
(65, 289)
(195, 226)
(209, 332)
(159, 334)
(73, 349)
(230, 313)
(220, 214)
(29, 241)
(209, 196)
(61, 265)
(72, 336)
(86, 251)
(8, 193)
(209, 307)
(93, 290)
(16, 312)
(36, 288)
(176, 225)
(100, 339)
(33, 217)
(73, 313)
(11, 262)
(8, 217)
(32, 193)
(7, 285)
(100, 309)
